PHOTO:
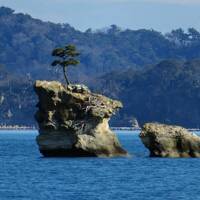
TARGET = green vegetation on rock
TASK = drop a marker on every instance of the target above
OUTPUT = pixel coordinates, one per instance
(66, 56)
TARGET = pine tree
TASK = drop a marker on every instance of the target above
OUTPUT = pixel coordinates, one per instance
(66, 56)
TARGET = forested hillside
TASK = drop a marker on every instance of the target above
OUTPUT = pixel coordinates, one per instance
(26, 45)
(119, 63)
(168, 92)
(17, 100)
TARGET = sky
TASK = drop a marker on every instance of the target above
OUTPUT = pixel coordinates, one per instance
(160, 15)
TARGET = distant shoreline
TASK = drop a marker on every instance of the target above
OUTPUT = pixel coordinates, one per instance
(16, 127)
(125, 128)
(32, 128)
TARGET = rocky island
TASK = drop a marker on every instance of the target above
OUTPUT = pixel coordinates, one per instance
(73, 121)
(170, 141)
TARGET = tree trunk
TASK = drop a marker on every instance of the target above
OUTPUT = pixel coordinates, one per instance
(66, 79)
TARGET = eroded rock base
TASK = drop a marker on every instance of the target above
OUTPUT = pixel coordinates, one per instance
(170, 141)
(73, 122)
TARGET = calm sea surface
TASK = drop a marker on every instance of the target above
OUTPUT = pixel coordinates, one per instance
(25, 175)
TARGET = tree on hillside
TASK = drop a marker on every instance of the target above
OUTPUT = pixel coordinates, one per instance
(178, 36)
(66, 56)
(195, 35)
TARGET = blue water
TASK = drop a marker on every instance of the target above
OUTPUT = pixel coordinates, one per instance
(25, 175)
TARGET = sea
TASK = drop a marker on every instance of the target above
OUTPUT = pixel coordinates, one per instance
(26, 175)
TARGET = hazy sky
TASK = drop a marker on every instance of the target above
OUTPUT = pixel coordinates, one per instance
(161, 15)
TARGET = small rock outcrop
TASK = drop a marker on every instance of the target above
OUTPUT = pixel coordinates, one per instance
(74, 121)
(170, 141)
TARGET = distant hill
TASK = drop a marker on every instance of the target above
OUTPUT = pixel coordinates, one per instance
(17, 100)
(26, 44)
(119, 63)
(168, 92)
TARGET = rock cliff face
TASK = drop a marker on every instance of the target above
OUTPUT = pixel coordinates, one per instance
(170, 141)
(74, 121)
